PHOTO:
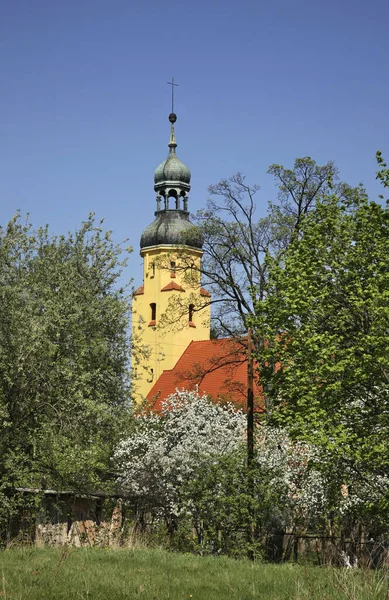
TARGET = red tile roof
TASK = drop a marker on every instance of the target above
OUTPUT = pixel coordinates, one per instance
(217, 367)
(172, 286)
(139, 291)
(204, 292)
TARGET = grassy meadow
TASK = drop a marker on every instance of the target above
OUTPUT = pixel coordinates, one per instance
(98, 574)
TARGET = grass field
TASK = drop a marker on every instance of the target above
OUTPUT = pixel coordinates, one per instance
(94, 574)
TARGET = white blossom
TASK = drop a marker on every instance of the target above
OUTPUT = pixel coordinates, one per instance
(301, 487)
(166, 449)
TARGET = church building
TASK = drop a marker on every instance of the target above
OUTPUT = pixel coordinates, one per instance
(171, 341)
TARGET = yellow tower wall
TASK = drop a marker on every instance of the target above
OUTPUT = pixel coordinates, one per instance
(171, 281)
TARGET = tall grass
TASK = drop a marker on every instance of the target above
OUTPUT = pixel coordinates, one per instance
(96, 574)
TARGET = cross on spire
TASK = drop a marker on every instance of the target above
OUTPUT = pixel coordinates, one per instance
(173, 86)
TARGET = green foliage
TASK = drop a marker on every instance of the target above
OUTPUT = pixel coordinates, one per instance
(326, 316)
(63, 356)
(383, 171)
(223, 502)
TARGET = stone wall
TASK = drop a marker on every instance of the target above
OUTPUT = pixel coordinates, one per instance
(67, 518)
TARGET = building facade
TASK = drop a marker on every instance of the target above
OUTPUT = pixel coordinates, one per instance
(170, 309)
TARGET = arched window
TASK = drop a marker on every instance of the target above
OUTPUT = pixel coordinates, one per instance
(172, 268)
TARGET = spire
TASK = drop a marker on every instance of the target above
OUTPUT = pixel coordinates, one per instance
(172, 119)
(171, 225)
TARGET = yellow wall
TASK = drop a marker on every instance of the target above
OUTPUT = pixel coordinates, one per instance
(165, 341)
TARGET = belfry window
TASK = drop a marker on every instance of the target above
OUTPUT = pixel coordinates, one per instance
(172, 268)
(153, 313)
(152, 267)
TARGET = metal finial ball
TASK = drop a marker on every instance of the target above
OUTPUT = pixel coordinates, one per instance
(172, 117)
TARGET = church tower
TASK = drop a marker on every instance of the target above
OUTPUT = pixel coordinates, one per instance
(170, 309)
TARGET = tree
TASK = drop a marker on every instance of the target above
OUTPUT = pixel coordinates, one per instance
(63, 357)
(170, 456)
(165, 450)
(299, 189)
(236, 240)
(186, 468)
(326, 317)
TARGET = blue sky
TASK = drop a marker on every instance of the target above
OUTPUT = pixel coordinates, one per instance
(84, 100)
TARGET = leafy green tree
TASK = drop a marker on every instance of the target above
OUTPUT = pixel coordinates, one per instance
(63, 357)
(326, 319)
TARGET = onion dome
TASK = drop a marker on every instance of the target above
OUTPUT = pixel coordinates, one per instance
(171, 225)
(171, 228)
(172, 172)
